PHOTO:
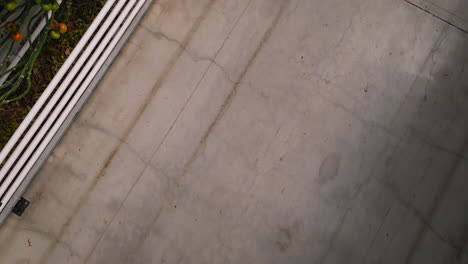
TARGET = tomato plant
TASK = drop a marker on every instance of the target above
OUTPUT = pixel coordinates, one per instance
(18, 19)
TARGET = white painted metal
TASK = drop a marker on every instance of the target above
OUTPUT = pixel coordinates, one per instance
(53, 113)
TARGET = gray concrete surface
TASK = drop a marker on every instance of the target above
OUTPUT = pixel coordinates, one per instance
(264, 131)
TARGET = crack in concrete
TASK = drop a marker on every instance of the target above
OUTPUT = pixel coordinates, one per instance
(438, 17)
(192, 54)
(419, 216)
(343, 35)
(333, 238)
(121, 141)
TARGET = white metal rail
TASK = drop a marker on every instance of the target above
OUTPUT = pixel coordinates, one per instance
(59, 100)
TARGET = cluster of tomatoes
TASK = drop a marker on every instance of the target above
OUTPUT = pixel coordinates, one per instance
(12, 29)
(48, 5)
(11, 5)
(57, 29)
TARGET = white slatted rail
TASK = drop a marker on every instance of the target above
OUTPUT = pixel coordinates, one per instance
(45, 124)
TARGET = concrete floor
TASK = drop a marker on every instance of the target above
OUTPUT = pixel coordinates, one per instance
(265, 131)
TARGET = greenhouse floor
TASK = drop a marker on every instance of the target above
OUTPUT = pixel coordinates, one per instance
(265, 131)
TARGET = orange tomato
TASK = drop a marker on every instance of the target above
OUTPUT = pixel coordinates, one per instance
(16, 36)
(62, 28)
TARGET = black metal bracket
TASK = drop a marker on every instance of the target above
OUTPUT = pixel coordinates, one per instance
(20, 206)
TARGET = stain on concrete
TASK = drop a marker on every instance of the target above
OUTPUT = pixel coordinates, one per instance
(284, 239)
(329, 169)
